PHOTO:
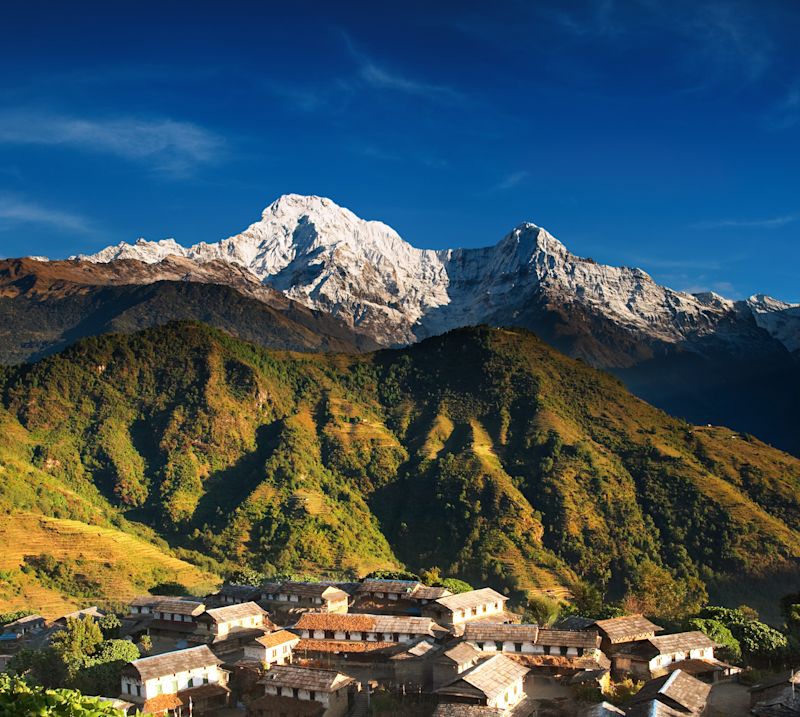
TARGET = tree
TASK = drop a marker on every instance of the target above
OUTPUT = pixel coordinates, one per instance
(392, 575)
(542, 610)
(760, 641)
(170, 588)
(654, 590)
(720, 634)
(110, 625)
(100, 674)
(454, 585)
(245, 576)
(145, 644)
(79, 640)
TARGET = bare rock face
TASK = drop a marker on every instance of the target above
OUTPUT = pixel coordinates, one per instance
(325, 257)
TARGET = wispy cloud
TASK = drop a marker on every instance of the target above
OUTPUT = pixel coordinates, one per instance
(16, 211)
(377, 76)
(512, 180)
(771, 223)
(163, 144)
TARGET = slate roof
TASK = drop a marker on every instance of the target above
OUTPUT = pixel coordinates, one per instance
(654, 708)
(490, 677)
(23, 621)
(279, 637)
(681, 642)
(177, 606)
(470, 599)
(677, 689)
(501, 632)
(239, 611)
(400, 587)
(305, 678)
(171, 663)
(312, 590)
(626, 628)
(243, 592)
(462, 653)
(786, 705)
(342, 646)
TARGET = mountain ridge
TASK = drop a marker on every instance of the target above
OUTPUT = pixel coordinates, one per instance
(298, 234)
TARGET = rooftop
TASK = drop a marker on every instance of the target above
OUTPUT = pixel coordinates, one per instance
(626, 628)
(171, 663)
(470, 599)
(279, 637)
(401, 587)
(677, 690)
(179, 606)
(306, 678)
(490, 677)
(240, 611)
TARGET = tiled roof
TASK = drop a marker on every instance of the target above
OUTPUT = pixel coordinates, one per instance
(341, 646)
(355, 622)
(421, 648)
(470, 599)
(569, 638)
(681, 642)
(235, 612)
(491, 677)
(312, 590)
(349, 622)
(177, 606)
(500, 632)
(92, 611)
(170, 663)
(677, 688)
(238, 591)
(462, 653)
(279, 637)
(401, 587)
(28, 619)
(305, 678)
(622, 629)
(148, 600)
(336, 646)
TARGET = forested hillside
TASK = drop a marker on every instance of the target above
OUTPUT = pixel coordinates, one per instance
(483, 452)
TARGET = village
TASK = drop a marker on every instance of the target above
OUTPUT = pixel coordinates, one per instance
(398, 647)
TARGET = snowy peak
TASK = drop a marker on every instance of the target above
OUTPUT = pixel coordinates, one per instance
(363, 272)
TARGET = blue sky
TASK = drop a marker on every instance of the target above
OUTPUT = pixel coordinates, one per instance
(659, 134)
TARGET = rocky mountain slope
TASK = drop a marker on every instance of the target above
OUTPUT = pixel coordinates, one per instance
(483, 451)
(700, 356)
(45, 306)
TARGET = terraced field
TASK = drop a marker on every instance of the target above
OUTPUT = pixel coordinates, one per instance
(121, 565)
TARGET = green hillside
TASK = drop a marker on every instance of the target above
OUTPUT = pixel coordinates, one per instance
(483, 452)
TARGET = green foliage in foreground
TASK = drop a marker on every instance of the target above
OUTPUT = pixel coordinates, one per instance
(20, 699)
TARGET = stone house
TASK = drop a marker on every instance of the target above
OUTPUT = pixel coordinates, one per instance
(274, 648)
(162, 684)
(292, 690)
(496, 682)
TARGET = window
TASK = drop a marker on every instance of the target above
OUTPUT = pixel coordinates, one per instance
(128, 687)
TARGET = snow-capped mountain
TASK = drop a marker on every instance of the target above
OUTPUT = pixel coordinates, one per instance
(324, 256)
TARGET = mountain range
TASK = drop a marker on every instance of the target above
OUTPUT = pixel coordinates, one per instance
(312, 275)
(482, 451)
